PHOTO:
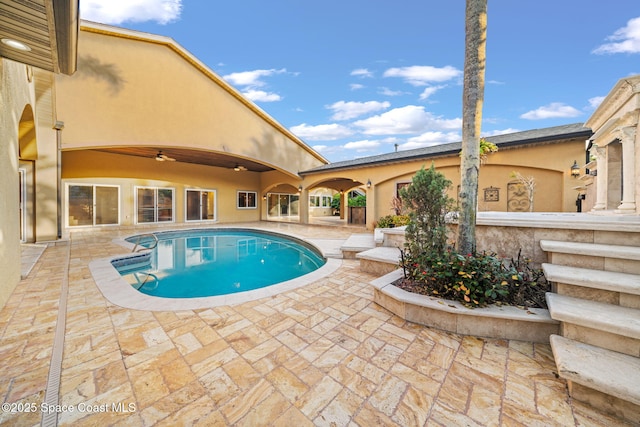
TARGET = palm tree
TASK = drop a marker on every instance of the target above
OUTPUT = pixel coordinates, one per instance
(472, 99)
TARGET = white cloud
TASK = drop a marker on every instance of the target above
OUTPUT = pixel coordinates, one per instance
(595, 101)
(623, 40)
(362, 72)
(388, 92)
(252, 82)
(428, 139)
(116, 12)
(551, 111)
(251, 78)
(362, 146)
(321, 132)
(422, 75)
(428, 91)
(349, 110)
(261, 96)
(405, 120)
(356, 86)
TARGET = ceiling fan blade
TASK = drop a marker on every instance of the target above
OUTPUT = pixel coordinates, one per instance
(170, 159)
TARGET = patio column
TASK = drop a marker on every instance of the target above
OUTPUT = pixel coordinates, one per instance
(628, 139)
(303, 206)
(371, 206)
(601, 179)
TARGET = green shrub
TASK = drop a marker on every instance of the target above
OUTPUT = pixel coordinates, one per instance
(427, 202)
(475, 280)
(358, 201)
(390, 221)
(432, 268)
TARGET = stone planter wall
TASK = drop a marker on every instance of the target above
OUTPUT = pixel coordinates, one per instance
(505, 322)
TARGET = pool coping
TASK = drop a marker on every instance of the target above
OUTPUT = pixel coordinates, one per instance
(119, 292)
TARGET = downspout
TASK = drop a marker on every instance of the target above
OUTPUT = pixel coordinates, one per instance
(58, 126)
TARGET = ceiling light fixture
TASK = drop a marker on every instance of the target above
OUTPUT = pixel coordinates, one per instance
(162, 157)
(15, 44)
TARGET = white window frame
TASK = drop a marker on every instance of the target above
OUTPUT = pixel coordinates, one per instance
(155, 214)
(215, 204)
(93, 186)
(255, 194)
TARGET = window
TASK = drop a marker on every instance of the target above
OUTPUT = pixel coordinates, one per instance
(89, 205)
(282, 204)
(154, 204)
(247, 200)
(320, 201)
(201, 205)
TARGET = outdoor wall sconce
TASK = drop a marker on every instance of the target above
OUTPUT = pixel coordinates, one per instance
(575, 169)
(264, 197)
(369, 183)
(299, 188)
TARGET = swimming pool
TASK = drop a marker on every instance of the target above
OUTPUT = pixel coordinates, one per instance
(212, 262)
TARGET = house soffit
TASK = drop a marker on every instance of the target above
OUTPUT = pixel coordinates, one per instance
(182, 155)
(48, 28)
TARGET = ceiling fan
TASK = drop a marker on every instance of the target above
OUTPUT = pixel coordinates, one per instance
(162, 157)
(239, 168)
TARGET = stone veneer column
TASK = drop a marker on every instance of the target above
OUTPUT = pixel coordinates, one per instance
(601, 179)
(628, 139)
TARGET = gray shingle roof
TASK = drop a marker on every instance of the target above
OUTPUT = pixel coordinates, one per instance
(550, 134)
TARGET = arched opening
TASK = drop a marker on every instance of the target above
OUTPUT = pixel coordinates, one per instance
(27, 154)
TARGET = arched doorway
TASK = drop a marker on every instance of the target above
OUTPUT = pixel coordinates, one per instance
(27, 155)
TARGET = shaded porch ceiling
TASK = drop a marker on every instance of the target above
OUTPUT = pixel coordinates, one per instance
(338, 184)
(197, 157)
(47, 30)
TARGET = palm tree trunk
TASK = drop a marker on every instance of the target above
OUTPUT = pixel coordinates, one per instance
(472, 99)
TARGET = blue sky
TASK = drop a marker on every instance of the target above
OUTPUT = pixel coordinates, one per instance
(353, 78)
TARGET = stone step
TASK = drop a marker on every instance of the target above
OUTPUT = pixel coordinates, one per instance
(357, 243)
(608, 280)
(609, 318)
(596, 256)
(606, 371)
(592, 249)
(380, 260)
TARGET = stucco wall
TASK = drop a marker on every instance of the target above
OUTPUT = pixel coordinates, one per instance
(150, 92)
(15, 94)
(548, 163)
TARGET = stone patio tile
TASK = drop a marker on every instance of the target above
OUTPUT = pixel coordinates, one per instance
(321, 354)
(414, 408)
(312, 402)
(339, 411)
(239, 406)
(269, 409)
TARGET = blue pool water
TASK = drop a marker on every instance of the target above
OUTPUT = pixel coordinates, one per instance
(200, 263)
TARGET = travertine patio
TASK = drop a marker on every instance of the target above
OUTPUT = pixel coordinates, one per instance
(323, 354)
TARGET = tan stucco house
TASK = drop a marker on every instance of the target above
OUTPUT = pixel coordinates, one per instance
(142, 133)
